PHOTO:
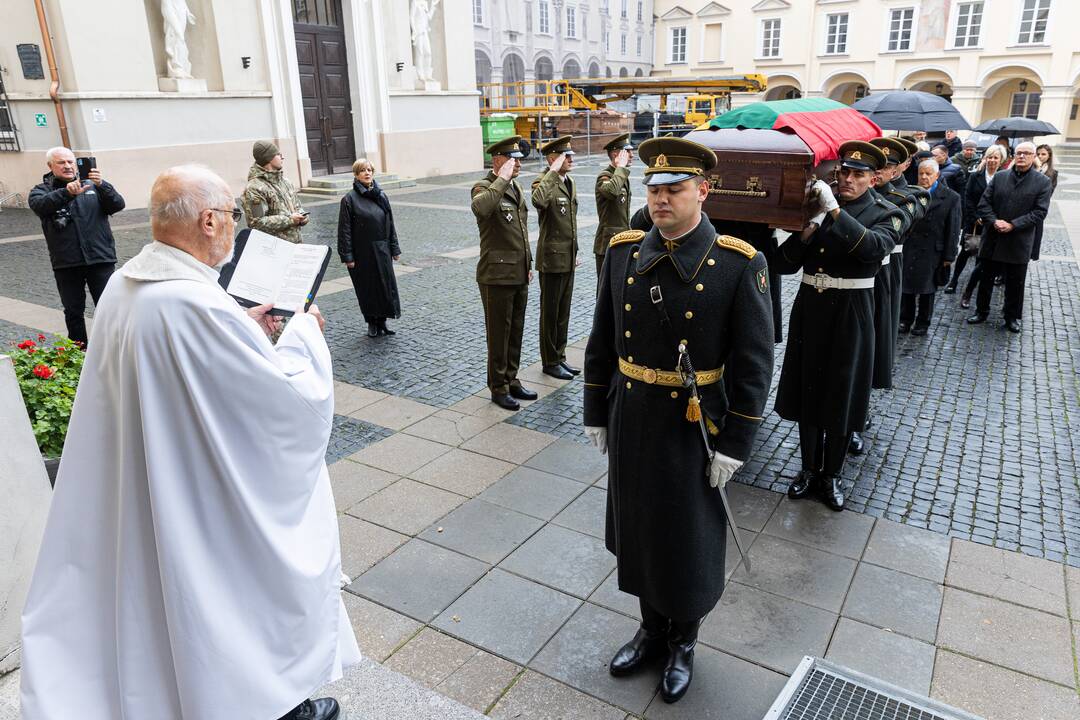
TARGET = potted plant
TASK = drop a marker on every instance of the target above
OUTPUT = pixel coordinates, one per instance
(48, 375)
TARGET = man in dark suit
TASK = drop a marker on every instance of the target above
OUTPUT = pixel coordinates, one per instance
(930, 245)
(1012, 210)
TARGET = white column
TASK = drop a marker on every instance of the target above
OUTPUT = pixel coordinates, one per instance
(287, 102)
(968, 100)
(1055, 107)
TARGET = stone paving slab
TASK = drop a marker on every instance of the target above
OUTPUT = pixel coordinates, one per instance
(896, 659)
(536, 697)
(1027, 581)
(353, 482)
(995, 693)
(481, 530)
(910, 550)
(813, 524)
(566, 560)
(406, 506)
(533, 492)
(894, 602)
(797, 572)
(364, 544)
(462, 472)
(379, 630)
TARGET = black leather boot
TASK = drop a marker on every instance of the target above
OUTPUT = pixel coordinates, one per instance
(372, 330)
(321, 709)
(803, 485)
(832, 492)
(682, 639)
(505, 401)
(649, 642)
(383, 330)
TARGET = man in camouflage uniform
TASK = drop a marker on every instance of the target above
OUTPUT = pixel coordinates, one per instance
(269, 200)
(613, 196)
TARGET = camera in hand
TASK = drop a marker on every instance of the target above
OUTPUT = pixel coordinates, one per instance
(85, 165)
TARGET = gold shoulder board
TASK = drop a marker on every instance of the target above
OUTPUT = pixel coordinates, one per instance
(739, 246)
(627, 236)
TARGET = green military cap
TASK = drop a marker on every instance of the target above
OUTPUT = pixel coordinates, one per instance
(859, 155)
(622, 142)
(558, 145)
(671, 160)
(510, 147)
(895, 152)
(912, 148)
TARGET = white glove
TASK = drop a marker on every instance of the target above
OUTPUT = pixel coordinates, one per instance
(822, 194)
(817, 219)
(598, 437)
(722, 469)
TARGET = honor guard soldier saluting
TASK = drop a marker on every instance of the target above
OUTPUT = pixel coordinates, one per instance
(829, 363)
(504, 270)
(677, 373)
(555, 198)
(613, 196)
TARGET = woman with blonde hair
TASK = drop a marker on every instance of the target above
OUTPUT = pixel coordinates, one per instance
(368, 245)
(992, 161)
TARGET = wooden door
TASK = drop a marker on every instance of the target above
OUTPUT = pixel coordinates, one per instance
(324, 86)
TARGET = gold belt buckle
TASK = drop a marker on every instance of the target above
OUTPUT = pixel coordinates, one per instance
(648, 375)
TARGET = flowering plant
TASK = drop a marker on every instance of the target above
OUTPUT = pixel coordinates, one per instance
(48, 375)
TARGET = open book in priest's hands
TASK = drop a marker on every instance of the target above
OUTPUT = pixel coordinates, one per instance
(265, 269)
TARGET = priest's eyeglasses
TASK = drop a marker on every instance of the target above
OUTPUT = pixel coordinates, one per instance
(236, 213)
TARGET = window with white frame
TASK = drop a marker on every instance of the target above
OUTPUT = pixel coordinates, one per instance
(678, 45)
(640, 9)
(1033, 21)
(1025, 104)
(624, 4)
(770, 38)
(478, 12)
(622, 44)
(639, 46)
(836, 32)
(544, 8)
(968, 24)
(901, 25)
(571, 22)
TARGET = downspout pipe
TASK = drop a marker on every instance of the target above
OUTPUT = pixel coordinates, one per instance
(54, 88)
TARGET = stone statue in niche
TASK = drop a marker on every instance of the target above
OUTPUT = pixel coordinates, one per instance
(177, 17)
(420, 15)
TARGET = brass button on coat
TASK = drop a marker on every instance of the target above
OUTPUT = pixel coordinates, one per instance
(628, 385)
(689, 315)
(699, 287)
(627, 333)
(629, 281)
(711, 262)
(627, 307)
(675, 394)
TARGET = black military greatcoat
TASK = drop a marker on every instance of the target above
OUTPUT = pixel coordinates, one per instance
(884, 330)
(913, 201)
(829, 360)
(665, 524)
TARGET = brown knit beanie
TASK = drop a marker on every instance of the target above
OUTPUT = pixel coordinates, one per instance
(264, 151)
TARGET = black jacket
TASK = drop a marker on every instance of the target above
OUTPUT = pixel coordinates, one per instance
(367, 237)
(932, 241)
(76, 228)
(1024, 201)
(976, 185)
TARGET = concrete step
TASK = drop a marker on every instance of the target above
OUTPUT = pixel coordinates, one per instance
(338, 185)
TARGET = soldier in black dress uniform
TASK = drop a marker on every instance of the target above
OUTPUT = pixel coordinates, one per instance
(677, 286)
(829, 363)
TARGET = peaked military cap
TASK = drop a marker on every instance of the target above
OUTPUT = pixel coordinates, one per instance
(510, 147)
(912, 148)
(622, 142)
(671, 160)
(895, 152)
(859, 155)
(558, 145)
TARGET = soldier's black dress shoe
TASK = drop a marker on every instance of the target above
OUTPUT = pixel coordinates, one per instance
(569, 369)
(372, 330)
(557, 371)
(856, 446)
(520, 393)
(919, 329)
(645, 646)
(832, 491)
(804, 485)
(383, 330)
(903, 327)
(976, 319)
(505, 401)
(1012, 325)
(679, 670)
(321, 709)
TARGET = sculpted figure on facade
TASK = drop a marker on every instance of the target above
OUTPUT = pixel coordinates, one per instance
(176, 17)
(420, 15)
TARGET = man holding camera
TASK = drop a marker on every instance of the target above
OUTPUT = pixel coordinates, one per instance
(269, 200)
(74, 214)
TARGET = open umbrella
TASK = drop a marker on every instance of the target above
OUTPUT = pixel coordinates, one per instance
(911, 110)
(1017, 127)
(821, 123)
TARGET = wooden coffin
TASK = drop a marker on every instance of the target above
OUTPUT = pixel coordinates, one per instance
(761, 176)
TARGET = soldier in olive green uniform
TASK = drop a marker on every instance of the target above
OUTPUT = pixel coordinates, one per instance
(613, 196)
(504, 270)
(555, 198)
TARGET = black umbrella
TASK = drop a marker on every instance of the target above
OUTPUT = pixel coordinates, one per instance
(911, 110)
(1017, 127)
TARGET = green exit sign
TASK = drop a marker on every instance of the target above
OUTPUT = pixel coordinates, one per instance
(40, 120)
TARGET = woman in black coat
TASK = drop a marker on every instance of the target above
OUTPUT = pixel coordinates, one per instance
(1045, 156)
(978, 179)
(368, 245)
(930, 244)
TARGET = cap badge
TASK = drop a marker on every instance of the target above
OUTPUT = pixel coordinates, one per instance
(855, 155)
(661, 161)
(886, 151)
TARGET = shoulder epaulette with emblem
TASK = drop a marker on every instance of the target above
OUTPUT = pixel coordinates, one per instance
(627, 236)
(740, 246)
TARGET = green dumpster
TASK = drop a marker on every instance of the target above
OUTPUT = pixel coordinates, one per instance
(496, 127)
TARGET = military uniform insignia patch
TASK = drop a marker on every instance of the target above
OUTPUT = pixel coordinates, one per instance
(762, 280)
(896, 223)
(509, 217)
(562, 209)
(922, 200)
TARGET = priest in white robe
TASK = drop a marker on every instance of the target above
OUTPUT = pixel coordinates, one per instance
(191, 566)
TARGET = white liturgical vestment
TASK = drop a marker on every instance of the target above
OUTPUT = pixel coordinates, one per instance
(191, 566)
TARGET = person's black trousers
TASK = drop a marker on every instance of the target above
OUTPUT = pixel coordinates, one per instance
(823, 451)
(921, 316)
(72, 283)
(960, 264)
(1015, 276)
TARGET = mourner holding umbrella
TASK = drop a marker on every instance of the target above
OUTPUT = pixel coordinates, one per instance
(613, 196)
(368, 245)
(828, 366)
(992, 160)
(929, 249)
(677, 428)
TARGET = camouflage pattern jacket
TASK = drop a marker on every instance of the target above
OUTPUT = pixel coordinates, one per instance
(269, 201)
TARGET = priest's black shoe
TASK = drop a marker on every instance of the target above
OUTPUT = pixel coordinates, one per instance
(570, 369)
(321, 709)
(1012, 325)
(505, 401)
(519, 392)
(832, 491)
(383, 330)
(679, 670)
(557, 371)
(976, 319)
(919, 329)
(804, 485)
(646, 645)
(856, 446)
(372, 330)
(904, 327)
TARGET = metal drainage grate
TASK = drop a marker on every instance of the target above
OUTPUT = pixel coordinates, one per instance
(820, 690)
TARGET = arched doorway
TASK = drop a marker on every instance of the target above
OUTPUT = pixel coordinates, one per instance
(513, 71)
(783, 92)
(543, 70)
(1011, 91)
(623, 72)
(930, 80)
(607, 71)
(846, 87)
(483, 75)
(639, 73)
(571, 69)
(594, 70)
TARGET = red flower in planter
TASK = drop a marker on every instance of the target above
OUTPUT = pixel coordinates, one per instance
(26, 345)
(40, 337)
(43, 371)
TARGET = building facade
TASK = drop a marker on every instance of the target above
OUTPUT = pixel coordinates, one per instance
(329, 80)
(518, 40)
(992, 58)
